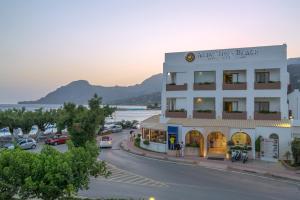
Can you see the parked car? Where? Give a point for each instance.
(8, 146)
(116, 128)
(34, 131)
(105, 142)
(27, 143)
(57, 139)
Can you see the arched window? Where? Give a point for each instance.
(241, 138)
(274, 136)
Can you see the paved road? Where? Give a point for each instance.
(139, 177)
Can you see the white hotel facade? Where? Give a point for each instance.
(215, 96)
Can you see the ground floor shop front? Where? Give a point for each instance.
(269, 141)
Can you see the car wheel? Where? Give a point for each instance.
(55, 143)
(33, 146)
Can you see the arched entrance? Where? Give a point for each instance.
(216, 143)
(241, 139)
(194, 143)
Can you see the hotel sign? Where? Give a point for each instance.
(226, 54)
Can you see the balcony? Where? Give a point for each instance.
(204, 114)
(235, 86)
(176, 113)
(267, 86)
(235, 115)
(204, 86)
(174, 87)
(267, 115)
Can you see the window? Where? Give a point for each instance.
(231, 78)
(262, 107)
(171, 104)
(231, 106)
(146, 134)
(262, 77)
(171, 78)
(241, 138)
(158, 136)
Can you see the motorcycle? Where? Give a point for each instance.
(236, 155)
(245, 156)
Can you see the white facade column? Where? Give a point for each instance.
(250, 93)
(163, 96)
(219, 94)
(189, 96)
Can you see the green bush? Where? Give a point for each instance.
(146, 142)
(257, 144)
(296, 151)
(137, 141)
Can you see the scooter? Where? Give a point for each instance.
(245, 156)
(236, 155)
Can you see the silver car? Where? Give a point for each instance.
(27, 143)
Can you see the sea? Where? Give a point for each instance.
(130, 113)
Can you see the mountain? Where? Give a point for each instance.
(294, 71)
(81, 91)
(146, 99)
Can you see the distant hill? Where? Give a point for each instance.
(294, 70)
(147, 99)
(81, 91)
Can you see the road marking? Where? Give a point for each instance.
(218, 169)
(122, 176)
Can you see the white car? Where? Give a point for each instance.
(105, 142)
(4, 132)
(34, 130)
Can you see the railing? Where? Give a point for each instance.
(174, 87)
(267, 86)
(204, 86)
(267, 115)
(235, 86)
(235, 115)
(204, 114)
(176, 113)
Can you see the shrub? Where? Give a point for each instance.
(146, 142)
(257, 144)
(137, 142)
(296, 151)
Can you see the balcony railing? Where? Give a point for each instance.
(267, 86)
(235, 86)
(174, 87)
(235, 115)
(176, 113)
(267, 115)
(204, 86)
(204, 114)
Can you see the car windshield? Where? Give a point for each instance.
(105, 138)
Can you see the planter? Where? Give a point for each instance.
(234, 115)
(234, 86)
(201, 86)
(176, 114)
(267, 86)
(172, 87)
(267, 116)
(204, 115)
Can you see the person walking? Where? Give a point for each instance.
(181, 149)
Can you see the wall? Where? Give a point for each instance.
(269, 57)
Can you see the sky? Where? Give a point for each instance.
(45, 44)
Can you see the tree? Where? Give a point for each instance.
(50, 174)
(296, 150)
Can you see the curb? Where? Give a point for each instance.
(203, 164)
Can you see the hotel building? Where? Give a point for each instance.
(212, 97)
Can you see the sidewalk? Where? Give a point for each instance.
(270, 169)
